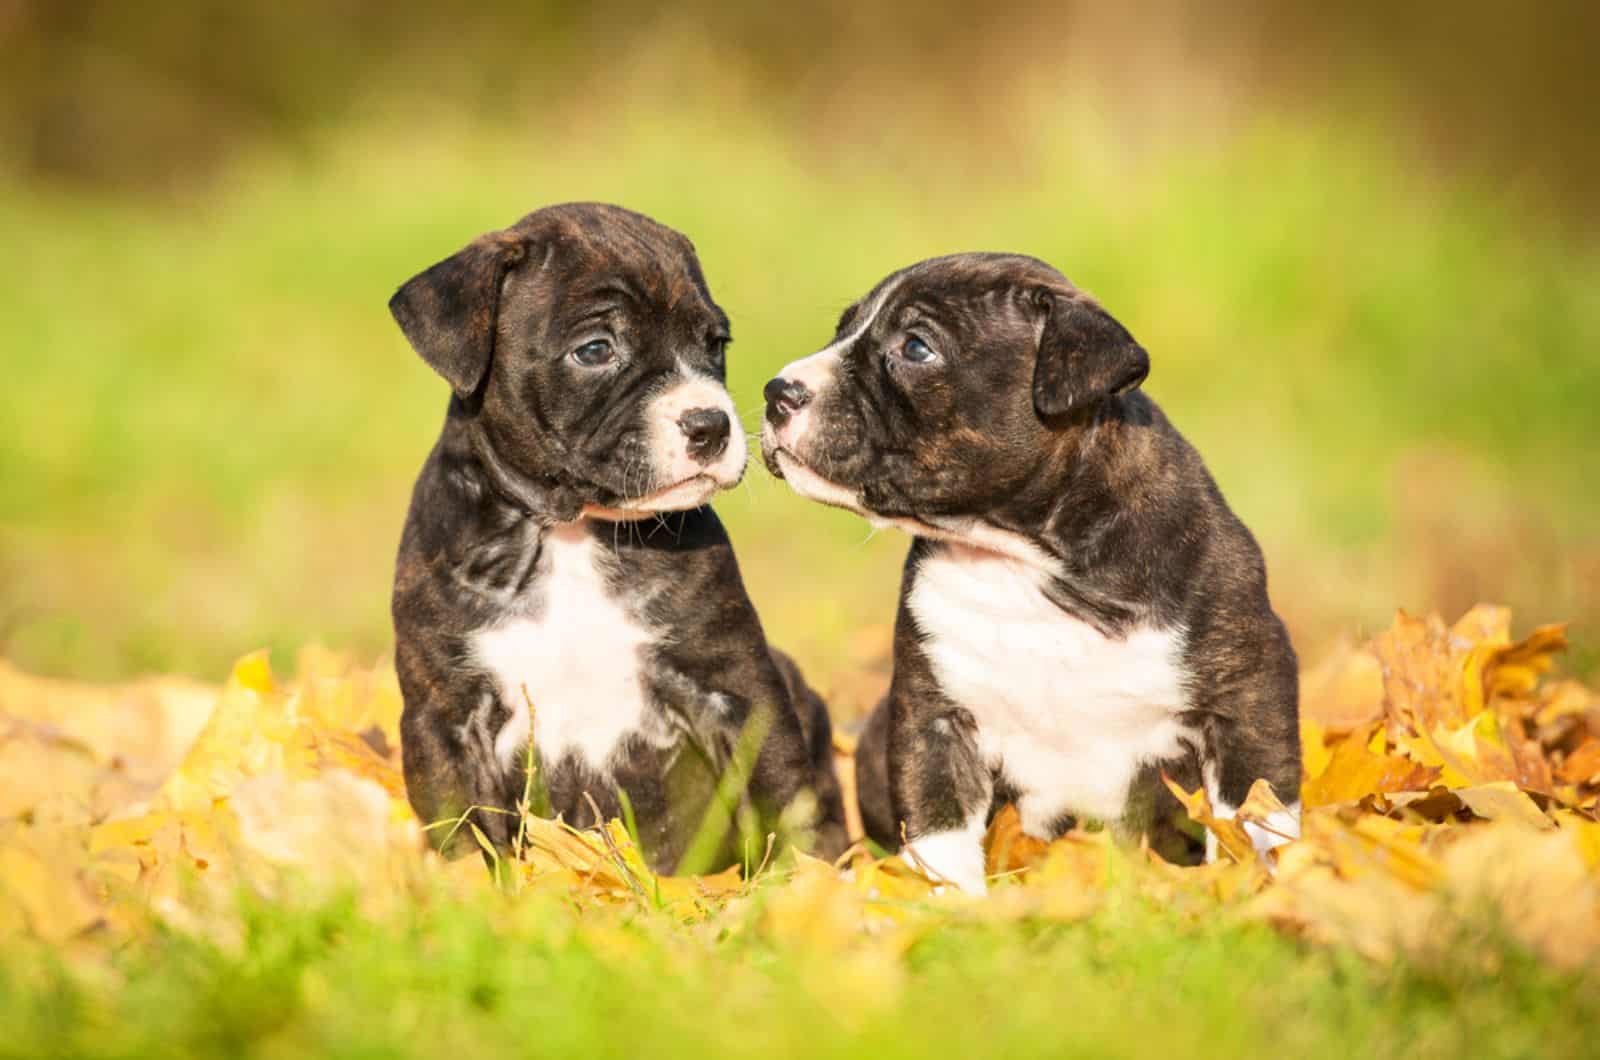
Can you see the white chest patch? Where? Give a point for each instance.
(578, 656)
(1067, 714)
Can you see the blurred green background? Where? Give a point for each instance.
(1359, 241)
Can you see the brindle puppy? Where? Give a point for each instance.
(1080, 609)
(563, 594)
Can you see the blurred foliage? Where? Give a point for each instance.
(139, 95)
(1345, 234)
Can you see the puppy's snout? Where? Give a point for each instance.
(707, 431)
(785, 397)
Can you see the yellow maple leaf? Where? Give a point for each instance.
(1354, 770)
(1503, 801)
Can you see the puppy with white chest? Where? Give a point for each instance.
(1080, 610)
(563, 596)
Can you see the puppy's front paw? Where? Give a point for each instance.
(950, 857)
(1279, 827)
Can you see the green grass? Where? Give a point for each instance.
(527, 978)
(212, 424)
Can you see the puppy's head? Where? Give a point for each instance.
(586, 347)
(946, 389)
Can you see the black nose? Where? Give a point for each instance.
(707, 431)
(785, 397)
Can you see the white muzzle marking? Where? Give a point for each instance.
(815, 373)
(674, 480)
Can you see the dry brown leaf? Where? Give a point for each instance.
(1583, 765)
(1418, 668)
(1372, 845)
(1541, 890)
(1344, 692)
(1514, 672)
(1006, 848)
(1354, 770)
(1230, 833)
(146, 725)
(1484, 622)
(46, 889)
(1502, 801)
(1315, 751)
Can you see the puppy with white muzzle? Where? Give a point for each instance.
(564, 599)
(1080, 610)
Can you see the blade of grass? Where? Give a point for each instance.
(699, 857)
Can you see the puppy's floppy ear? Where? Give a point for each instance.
(1084, 357)
(448, 313)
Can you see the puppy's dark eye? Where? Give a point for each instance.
(719, 351)
(594, 354)
(915, 351)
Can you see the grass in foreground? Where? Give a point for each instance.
(527, 978)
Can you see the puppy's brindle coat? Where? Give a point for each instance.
(1080, 609)
(562, 595)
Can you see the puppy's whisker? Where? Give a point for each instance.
(746, 499)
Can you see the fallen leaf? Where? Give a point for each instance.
(1344, 692)
(1230, 833)
(1583, 765)
(1353, 770)
(1502, 801)
(1007, 848)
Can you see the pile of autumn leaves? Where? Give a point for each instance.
(1451, 785)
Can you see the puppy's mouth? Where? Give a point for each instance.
(681, 496)
(807, 482)
(812, 485)
(967, 533)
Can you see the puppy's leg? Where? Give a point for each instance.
(1156, 819)
(872, 779)
(941, 788)
(831, 835)
(781, 770)
(1280, 827)
(785, 773)
(1252, 733)
(453, 775)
